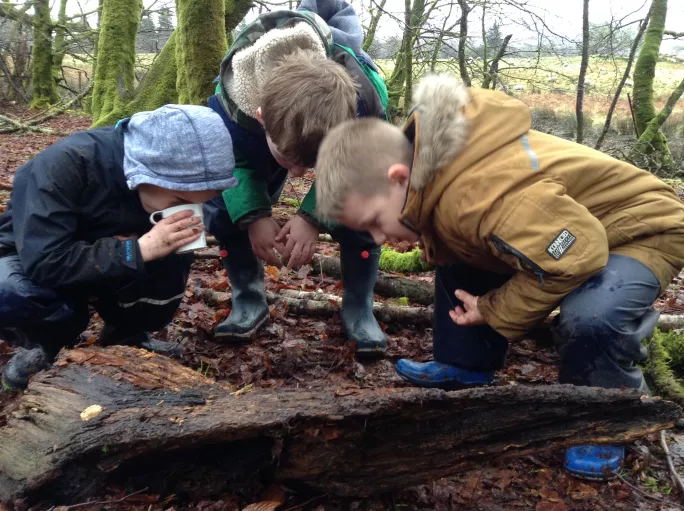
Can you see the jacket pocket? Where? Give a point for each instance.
(524, 262)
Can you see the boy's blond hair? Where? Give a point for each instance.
(305, 95)
(355, 157)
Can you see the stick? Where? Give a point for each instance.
(103, 502)
(25, 127)
(673, 472)
(392, 287)
(642, 492)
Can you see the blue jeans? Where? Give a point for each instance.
(56, 318)
(598, 332)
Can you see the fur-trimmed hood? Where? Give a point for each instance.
(450, 123)
(452, 127)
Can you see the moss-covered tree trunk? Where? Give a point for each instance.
(644, 73)
(201, 46)
(653, 128)
(158, 88)
(60, 41)
(160, 85)
(115, 70)
(44, 89)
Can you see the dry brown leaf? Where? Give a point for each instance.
(583, 492)
(545, 505)
(264, 505)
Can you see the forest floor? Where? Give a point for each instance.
(311, 353)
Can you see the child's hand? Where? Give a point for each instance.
(169, 234)
(262, 235)
(301, 242)
(471, 315)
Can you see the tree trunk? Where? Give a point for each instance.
(115, 70)
(160, 85)
(60, 41)
(235, 10)
(490, 78)
(44, 88)
(202, 30)
(644, 73)
(122, 414)
(625, 76)
(157, 88)
(392, 287)
(653, 127)
(462, 39)
(373, 26)
(583, 73)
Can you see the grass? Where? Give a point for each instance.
(535, 74)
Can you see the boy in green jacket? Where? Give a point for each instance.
(283, 85)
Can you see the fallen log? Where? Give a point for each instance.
(392, 287)
(120, 414)
(304, 303)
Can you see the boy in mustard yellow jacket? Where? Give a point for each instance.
(519, 222)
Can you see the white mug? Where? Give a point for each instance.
(197, 210)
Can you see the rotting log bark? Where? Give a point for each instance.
(392, 287)
(169, 428)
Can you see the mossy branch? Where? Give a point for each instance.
(408, 262)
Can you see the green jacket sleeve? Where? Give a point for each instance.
(249, 200)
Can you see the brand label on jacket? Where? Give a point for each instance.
(561, 244)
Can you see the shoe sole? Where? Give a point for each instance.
(444, 385)
(235, 338)
(594, 477)
(370, 354)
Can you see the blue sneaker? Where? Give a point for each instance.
(595, 462)
(442, 376)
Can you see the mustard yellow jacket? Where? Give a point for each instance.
(488, 191)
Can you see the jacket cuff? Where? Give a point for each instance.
(486, 305)
(244, 222)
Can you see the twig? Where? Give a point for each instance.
(642, 492)
(673, 472)
(103, 502)
(26, 127)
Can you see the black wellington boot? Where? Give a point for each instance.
(250, 309)
(110, 336)
(359, 274)
(31, 358)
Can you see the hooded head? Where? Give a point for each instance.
(179, 147)
(373, 176)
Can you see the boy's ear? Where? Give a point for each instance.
(258, 116)
(399, 173)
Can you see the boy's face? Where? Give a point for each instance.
(155, 198)
(379, 214)
(294, 169)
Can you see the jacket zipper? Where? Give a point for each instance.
(525, 261)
